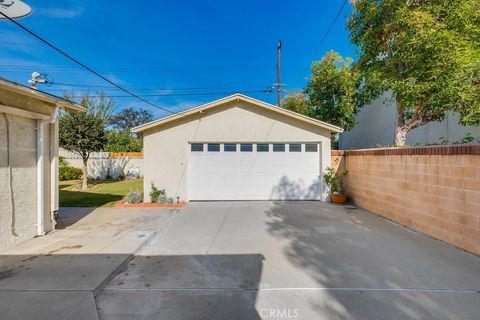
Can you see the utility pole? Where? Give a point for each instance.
(279, 88)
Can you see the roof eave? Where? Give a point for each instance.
(43, 96)
(227, 99)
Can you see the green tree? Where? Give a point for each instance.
(129, 118)
(426, 52)
(299, 103)
(331, 93)
(84, 133)
(122, 141)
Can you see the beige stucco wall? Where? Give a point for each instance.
(18, 178)
(166, 148)
(17, 217)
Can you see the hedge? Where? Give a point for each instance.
(69, 173)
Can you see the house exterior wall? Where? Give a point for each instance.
(166, 148)
(18, 178)
(18, 187)
(435, 190)
(376, 123)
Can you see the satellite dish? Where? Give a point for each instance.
(14, 9)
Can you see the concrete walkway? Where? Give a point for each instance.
(57, 276)
(292, 260)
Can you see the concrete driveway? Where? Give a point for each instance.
(291, 260)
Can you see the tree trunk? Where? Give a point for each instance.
(84, 172)
(401, 129)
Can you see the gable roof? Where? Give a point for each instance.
(40, 95)
(237, 97)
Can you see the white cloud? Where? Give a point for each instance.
(66, 13)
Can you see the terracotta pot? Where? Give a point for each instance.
(339, 198)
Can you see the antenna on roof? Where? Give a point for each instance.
(39, 78)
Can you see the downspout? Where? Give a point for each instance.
(41, 171)
(54, 169)
(10, 178)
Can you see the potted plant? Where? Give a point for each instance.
(334, 180)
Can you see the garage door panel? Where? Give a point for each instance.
(254, 176)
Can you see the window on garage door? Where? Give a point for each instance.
(213, 147)
(230, 147)
(246, 147)
(295, 147)
(311, 147)
(263, 147)
(278, 147)
(196, 147)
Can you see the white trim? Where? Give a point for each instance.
(23, 113)
(236, 97)
(40, 180)
(54, 151)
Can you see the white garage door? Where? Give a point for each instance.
(254, 171)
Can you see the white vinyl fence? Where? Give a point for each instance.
(101, 165)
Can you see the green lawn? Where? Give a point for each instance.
(99, 194)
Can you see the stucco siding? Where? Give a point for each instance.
(166, 148)
(18, 181)
(376, 123)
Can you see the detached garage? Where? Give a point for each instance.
(237, 148)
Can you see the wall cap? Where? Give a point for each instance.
(460, 149)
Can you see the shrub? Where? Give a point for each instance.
(62, 161)
(134, 197)
(108, 176)
(69, 173)
(121, 176)
(156, 194)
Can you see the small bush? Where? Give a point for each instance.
(121, 176)
(62, 161)
(69, 173)
(134, 197)
(156, 194)
(108, 176)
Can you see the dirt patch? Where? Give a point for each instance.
(79, 188)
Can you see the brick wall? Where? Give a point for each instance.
(435, 190)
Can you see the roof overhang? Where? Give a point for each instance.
(237, 98)
(40, 95)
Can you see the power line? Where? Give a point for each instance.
(145, 89)
(83, 65)
(325, 35)
(181, 94)
(173, 67)
(144, 69)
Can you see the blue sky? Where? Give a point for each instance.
(182, 47)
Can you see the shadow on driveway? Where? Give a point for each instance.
(68, 216)
(63, 286)
(371, 268)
